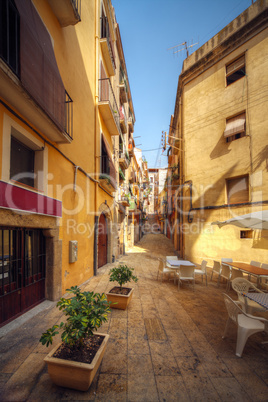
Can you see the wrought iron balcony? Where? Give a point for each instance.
(107, 177)
(132, 176)
(107, 47)
(108, 106)
(68, 12)
(68, 115)
(123, 198)
(133, 204)
(124, 160)
(123, 119)
(131, 124)
(122, 86)
(131, 148)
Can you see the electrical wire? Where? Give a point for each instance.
(149, 150)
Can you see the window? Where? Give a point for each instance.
(237, 190)
(104, 159)
(235, 70)
(107, 166)
(9, 34)
(21, 163)
(246, 234)
(235, 127)
(25, 157)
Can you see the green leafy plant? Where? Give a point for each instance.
(85, 312)
(127, 196)
(122, 274)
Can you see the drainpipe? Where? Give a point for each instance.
(96, 220)
(75, 176)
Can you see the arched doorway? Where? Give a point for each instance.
(102, 241)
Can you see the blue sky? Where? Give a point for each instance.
(148, 28)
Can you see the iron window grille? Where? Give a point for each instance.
(22, 258)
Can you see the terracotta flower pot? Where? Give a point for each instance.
(122, 301)
(75, 375)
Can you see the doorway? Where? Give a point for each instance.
(102, 241)
(22, 271)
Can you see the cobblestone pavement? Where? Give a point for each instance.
(167, 346)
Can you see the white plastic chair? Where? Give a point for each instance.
(236, 273)
(255, 263)
(163, 270)
(264, 266)
(216, 269)
(226, 260)
(202, 270)
(241, 285)
(226, 274)
(171, 257)
(185, 273)
(246, 323)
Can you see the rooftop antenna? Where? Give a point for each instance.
(186, 47)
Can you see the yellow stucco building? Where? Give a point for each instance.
(219, 142)
(64, 101)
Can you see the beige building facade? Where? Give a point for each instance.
(219, 142)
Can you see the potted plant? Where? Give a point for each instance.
(74, 362)
(120, 296)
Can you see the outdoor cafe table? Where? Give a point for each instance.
(250, 269)
(260, 298)
(175, 264)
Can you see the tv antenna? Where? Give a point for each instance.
(186, 47)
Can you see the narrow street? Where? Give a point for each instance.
(167, 346)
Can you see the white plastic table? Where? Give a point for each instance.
(260, 298)
(175, 264)
(178, 263)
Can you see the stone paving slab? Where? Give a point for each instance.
(167, 346)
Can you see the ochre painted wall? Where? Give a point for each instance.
(75, 52)
(209, 160)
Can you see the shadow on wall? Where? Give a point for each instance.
(260, 240)
(260, 158)
(220, 149)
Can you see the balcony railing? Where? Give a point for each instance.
(123, 160)
(108, 174)
(68, 115)
(107, 46)
(122, 86)
(123, 119)
(133, 204)
(108, 106)
(68, 12)
(77, 5)
(131, 124)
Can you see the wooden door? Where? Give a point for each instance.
(22, 271)
(102, 241)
